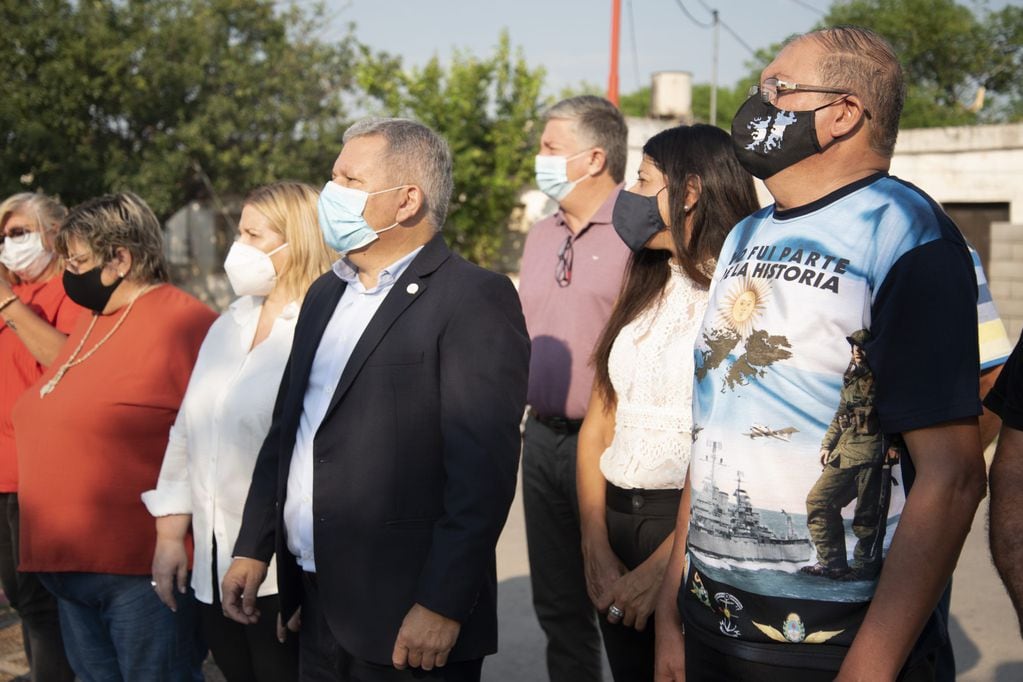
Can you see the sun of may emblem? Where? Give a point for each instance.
(743, 303)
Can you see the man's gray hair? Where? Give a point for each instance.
(863, 62)
(416, 155)
(597, 123)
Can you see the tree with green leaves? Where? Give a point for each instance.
(487, 110)
(172, 99)
(950, 53)
(962, 66)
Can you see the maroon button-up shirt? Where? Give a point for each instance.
(565, 322)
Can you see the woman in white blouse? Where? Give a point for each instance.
(633, 451)
(225, 415)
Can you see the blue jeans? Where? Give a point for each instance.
(117, 630)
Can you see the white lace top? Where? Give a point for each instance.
(651, 368)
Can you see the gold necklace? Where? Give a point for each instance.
(74, 360)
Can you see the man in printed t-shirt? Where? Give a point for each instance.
(847, 255)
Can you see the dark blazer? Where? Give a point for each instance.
(415, 461)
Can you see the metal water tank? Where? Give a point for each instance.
(671, 95)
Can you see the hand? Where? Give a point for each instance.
(636, 593)
(825, 453)
(669, 648)
(294, 625)
(602, 569)
(170, 570)
(238, 593)
(424, 640)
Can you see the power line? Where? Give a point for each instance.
(724, 25)
(728, 28)
(635, 50)
(693, 19)
(738, 39)
(810, 7)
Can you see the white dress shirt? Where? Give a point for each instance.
(651, 366)
(350, 319)
(220, 427)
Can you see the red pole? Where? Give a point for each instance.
(612, 78)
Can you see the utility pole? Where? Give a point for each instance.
(714, 73)
(612, 78)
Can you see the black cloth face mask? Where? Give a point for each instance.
(636, 219)
(767, 139)
(87, 289)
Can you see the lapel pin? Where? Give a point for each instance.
(412, 288)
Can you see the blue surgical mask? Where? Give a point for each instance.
(552, 175)
(340, 213)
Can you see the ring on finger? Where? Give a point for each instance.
(615, 612)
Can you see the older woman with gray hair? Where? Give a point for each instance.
(114, 389)
(37, 317)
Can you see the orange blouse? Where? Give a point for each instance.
(20, 369)
(89, 449)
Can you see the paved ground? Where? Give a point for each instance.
(984, 629)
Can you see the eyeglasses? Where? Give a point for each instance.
(772, 87)
(72, 263)
(14, 233)
(563, 273)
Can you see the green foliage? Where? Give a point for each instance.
(635, 103)
(166, 97)
(584, 88)
(948, 51)
(729, 101)
(487, 109)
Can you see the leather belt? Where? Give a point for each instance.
(562, 425)
(638, 501)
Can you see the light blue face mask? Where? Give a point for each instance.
(552, 175)
(340, 214)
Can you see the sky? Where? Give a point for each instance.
(571, 38)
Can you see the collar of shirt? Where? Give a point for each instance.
(349, 274)
(244, 308)
(602, 216)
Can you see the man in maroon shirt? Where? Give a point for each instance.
(571, 272)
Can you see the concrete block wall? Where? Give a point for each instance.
(1005, 274)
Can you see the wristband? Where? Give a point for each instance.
(7, 301)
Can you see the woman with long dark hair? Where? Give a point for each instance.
(634, 444)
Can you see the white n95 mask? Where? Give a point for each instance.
(250, 270)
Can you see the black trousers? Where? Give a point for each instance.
(40, 624)
(706, 664)
(638, 521)
(555, 555)
(248, 653)
(323, 659)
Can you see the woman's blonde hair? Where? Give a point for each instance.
(45, 211)
(291, 209)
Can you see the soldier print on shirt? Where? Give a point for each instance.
(796, 486)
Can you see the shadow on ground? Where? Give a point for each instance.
(520, 656)
(521, 642)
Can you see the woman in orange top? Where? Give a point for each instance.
(91, 433)
(36, 318)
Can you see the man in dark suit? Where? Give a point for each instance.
(390, 466)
